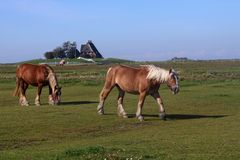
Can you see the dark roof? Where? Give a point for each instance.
(89, 50)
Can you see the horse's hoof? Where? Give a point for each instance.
(51, 103)
(37, 103)
(140, 118)
(162, 116)
(123, 114)
(100, 112)
(24, 103)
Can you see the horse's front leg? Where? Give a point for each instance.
(158, 98)
(140, 105)
(50, 97)
(37, 99)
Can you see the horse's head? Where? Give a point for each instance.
(172, 81)
(56, 95)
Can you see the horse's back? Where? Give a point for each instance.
(120, 71)
(32, 74)
(125, 69)
(29, 68)
(127, 78)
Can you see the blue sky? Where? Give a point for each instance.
(130, 29)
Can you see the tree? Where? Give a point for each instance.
(49, 55)
(67, 49)
(70, 49)
(70, 55)
(66, 45)
(59, 53)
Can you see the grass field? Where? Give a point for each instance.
(202, 120)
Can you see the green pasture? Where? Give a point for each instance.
(203, 120)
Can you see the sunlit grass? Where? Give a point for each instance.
(202, 120)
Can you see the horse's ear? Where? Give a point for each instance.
(170, 70)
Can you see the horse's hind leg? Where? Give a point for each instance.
(121, 111)
(23, 100)
(37, 99)
(103, 95)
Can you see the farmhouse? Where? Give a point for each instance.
(89, 50)
(180, 59)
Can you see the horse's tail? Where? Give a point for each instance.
(109, 75)
(17, 91)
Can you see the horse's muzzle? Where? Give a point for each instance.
(175, 90)
(56, 100)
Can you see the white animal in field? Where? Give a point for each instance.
(86, 59)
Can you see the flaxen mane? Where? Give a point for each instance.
(51, 77)
(156, 73)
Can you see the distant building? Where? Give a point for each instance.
(89, 50)
(180, 59)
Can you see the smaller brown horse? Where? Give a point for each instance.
(39, 76)
(144, 81)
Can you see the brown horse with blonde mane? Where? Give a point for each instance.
(144, 81)
(38, 76)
